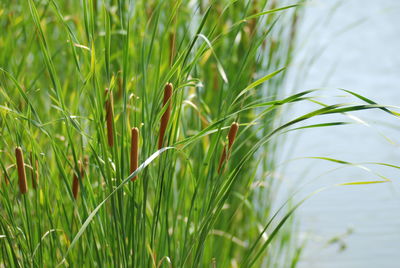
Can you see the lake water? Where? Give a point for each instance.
(357, 44)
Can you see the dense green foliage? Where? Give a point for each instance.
(226, 61)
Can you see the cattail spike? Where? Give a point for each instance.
(231, 139)
(134, 150)
(109, 117)
(35, 172)
(23, 187)
(75, 187)
(232, 133)
(75, 182)
(165, 118)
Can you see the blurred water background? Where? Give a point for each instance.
(354, 45)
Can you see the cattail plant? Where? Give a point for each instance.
(34, 172)
(165, 118)
(134, 150)
(75, 182)
(226, 152)
(232, 134)
(23, 187)
(109, 117)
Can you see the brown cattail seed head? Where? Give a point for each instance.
(35, 171)
(35, 175)
(23, 187)
(165, 118)
(231, 139)
(75, 187)
(134, 150)
(109, 117)
(232, 133)
(75, 182)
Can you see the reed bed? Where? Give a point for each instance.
(79, 80)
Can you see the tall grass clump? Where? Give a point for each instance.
(79, 80)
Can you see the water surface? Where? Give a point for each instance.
(357, 44)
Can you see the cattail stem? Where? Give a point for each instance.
(109, 117)
(134, 150)
(222, 159)
(231, 139)
(172, 37)
(23, 187)
(165, 118)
